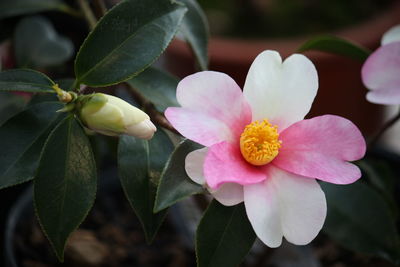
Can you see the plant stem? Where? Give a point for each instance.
(150, 109)
(386, 126)
(100, 8)
(88, 13)
(70, 11)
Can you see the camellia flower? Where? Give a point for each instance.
(113, 116)
(258, 149)
(380, 72)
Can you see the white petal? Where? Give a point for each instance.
(262, 208)
(142, 130)
(194, 163)
(285, 205)
(281, 92)
(229, 194)
(132, 114)
(392, 35)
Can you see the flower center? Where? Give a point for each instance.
(259, 142)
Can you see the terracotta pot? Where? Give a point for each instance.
(340, 92)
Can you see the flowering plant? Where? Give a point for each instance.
(266, 171)
(267, 165)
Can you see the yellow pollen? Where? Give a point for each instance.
(259, 142)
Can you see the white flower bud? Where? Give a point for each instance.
(110, 115)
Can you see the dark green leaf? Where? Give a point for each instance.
(224, 236)
(382, 179)
(25, 80)
(360, 220)
(9, 8)
(10, 104)
(37, 44)
(129, 38)
(175, 184)
(66, 84)
(157, 86)
(140, 164)
(21, 141)
(65, 184)
(336, 45)
(39, 98)
(195, 29)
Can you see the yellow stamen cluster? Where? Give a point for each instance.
(259, 142)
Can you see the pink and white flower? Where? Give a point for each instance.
(260, 150)
(380, 72)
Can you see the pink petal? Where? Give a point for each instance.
(285, 205)
(320, 148)
(229, 194)
(198, 126)
(387, 96)
(213, 108)
(281, 92)
(224, 164)
(380, 72)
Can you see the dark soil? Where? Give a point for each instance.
(112, 236)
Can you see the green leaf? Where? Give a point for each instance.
(224, 236)
(65, 184)
(66, 84)
(360, 220)
(140, 164)
(39, 98)
(25, 80)
(10, 8)
(381, 178)
(157, 86)
(195, 29)
(37, 44)
(175, 184)
(21, 140)
(10, 104)
(129, 38)
(336, 45)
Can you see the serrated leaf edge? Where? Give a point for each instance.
(78, 80)
(60, 257)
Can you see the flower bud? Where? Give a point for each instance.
(110, 115)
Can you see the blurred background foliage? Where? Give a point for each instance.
(283, 18)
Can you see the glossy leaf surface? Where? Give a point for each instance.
(175, 184)
(21, 140)
(128, 39)
(224, 236)
(25, 80)
(140, 163)
(157, 86)
(66, 183)
(195, 29)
